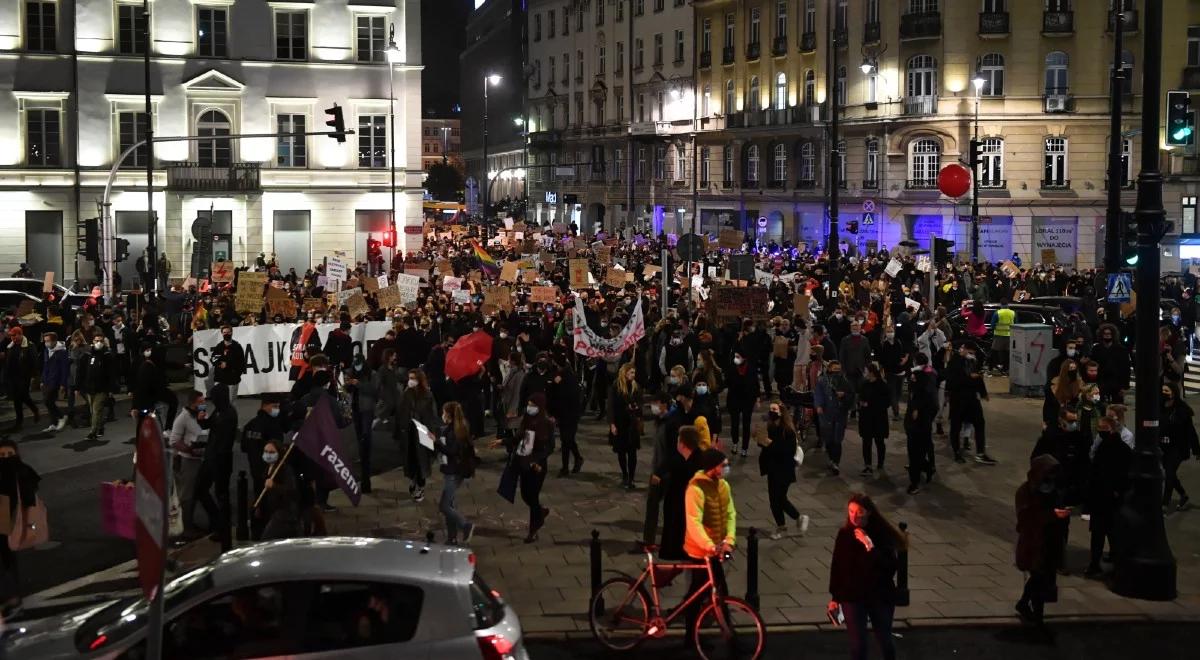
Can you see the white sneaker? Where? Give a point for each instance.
(803, 524)
(777, 534)
(50, 429)
(62, 424)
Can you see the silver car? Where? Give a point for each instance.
(334, 597)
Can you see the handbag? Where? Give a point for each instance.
(507, 487)
(30, 527)
(117, 509)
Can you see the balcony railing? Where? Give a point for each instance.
(921, 105)
(871, 33)
(1058, 22)
(841, 37)
(806, 184)
(808, 42)
(779, 46)
(921, 184)
(922, 25)
(727, 55)
(727, 184)
(993, 23)
(1065, 184)
(1191, 77)
(706, 59)
(194, 177)
(870, 184)
(993, 184)
(753, 50)
(1129, 22)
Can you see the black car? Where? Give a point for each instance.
(1026, 313)
(11, 300)
(33, 287)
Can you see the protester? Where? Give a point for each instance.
(1107, 484)
(625, 423)
(1041, 536)
(918, 423)
(417, 406)
(187, 440)
(874, 399)
(281, 500)
(20, 363)
(19, 488)
(711, 528)
(56, 372)
(531, 450)
(834, 399)
(456, 451)
(862, 575)
(777, 461)
(742, 396)
(97, 382)
(1178, 442)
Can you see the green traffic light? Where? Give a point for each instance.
(1131, 260)
(1183, 133)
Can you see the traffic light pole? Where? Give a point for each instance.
(151, 219)
(108, 231)
(1114, 233)
(1143, 564)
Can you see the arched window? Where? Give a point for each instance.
(925, 159)
(754, 95)
(1056, 74)
(781, 91)
(780, 169)
(991, 70)
(217, 152)
(922, 77)
(810, 88)
(808, 163)
(991, 163)
(752, 161)
(730, 98)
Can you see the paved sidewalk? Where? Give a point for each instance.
(962, 531)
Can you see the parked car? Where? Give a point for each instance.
(1026, 313)
(33, 287)
(332, 597)
(10, 300)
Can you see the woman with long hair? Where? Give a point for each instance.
(777, 461)
(457, 458)
(708, 371)
(530, 454)
(19, 485)
(862, 575)
(625, 422)
(1064, 390)
(416, 405)
(509, 404)
(874, 399)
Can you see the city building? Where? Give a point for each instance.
(611, 113)
(73, 101)
(1181, 189)
(441, 142)
(492, 75)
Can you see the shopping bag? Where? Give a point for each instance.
(117, 509)
(508, 482)
(30, 527)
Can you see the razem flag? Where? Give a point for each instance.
(150, 497)
(320, 440)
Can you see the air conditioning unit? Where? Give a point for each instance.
(1056, 104)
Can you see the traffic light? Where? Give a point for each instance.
(91, 239)
(122, 249)
(336, 122)
(1129, 239)
(1181, 122)
(941, 251)
(389, 238)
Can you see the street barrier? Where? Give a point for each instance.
(902, 570)
(595, 561)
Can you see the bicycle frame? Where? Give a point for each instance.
(709, 588)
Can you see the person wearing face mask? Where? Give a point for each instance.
(1070, 445)
(56, 368)
(894, 364)
(967, 390)
(706, 404)
(229, 361)
(838, 326)
(509, 396)
(97, 379)
(833, 398)
(279, 511)
(187, 441)
(1070, 352)
(530, 451)
(625, 423)
(20, 364)
(457, 457)
(1115, 367)
(711, 527)
(563, 397)
(1065, 390)
(1041, 538)
(1178, 442)
(777, 462)
(416, 404)
(675, 352)
(740, 399)
(267, 426)
(668, 420)
(874, 398)
(1107, 484)
(854, 353)
(918, 422)
(216, 467)
(19, 486)
(862, 575)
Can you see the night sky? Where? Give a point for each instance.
(443, 33)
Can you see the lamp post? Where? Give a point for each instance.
(393, 55)
(978, 82)
(523, 124)
(488, 81)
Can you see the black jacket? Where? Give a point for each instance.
(233, 356)
(858, 576)
(222, 427)
(255, 435)
(777, 461)
(149, 386)
(922, 400)
(874, 403)
(96, 372)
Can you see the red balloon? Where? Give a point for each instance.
(954, 180)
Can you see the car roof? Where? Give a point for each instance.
(28, 279)
(18, 293)
(342, 557)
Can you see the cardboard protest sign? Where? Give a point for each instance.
(343, 297)
(222, 271)
(418, 268)
(408, 286)
(389, 297)
(498, 297)
(508, 271)
(445, 267)
(730, 239)
(579, 273)
(336, 269)
(738, 303)
(800, 304)
(48, 282)
(285, 308)
(924, 264)
(650, 271)
(543, 294)
(249, 296)
(1049, 256)
(370, 284)
(615, 278)
(461, 296)
(451, 283)
(357, 305)
(604, 254)
(313, 305)
(1009, 269)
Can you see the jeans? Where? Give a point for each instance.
(739, 420)
(777, 490)
(833, 432)
(50, 399)
(192, 486)
(880, 615)
(448, 505)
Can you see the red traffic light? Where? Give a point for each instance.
(389, 238)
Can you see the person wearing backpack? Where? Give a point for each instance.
(458, 461)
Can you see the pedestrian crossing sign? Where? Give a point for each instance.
(1120, 286)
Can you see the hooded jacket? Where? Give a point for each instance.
(56, 367)
(1039, 534)
(538, 428)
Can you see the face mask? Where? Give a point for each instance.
(99, 345)
(412, 382)
(838, 316)
(531, 410)
(917, 370)
(1107, 340)
(655, 410)
(202, 407)
(856, 332)
(504, 335)
(269, 457)
(1175, 318)
(702, 389)
(49, 345)
(737, 359)
(724, 471)
(228, 337)
(1072, 426)
(1072, 371)
(890, 336)
(147, 353)
(673, 380)
(773, 416)
(834, 373)
(1095, 398)
(1070, 352)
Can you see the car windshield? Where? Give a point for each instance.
(122, 618)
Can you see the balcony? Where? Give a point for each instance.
(871, 33)
(1191, 77)
(706, 59)
(993, 24)
(727, 184)
(921, 184)
(779, 46)
(1058, 23)
(1129, 22)
(808, 42)
(806, 184)
(921, 105)
(194, 177)
(753, 50)
(870, 184)
(841, 37)
(923, 25)
(727, 55)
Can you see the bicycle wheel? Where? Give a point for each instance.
(731, 631)
(620, 614)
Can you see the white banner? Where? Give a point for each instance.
(269, 353)
(591, 344)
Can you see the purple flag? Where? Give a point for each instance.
(320, 440)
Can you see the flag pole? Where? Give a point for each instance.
(278, 466)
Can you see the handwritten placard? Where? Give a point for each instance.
(615, 278)
(730, 239)
(498, 297)
(452, 283)
(389, 297)
(579, 273)
(409, 287)
(508, 271)
(222, 271)
(357, 305)
(543, 294)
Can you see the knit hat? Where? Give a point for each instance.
(701, 425)
(709, 459)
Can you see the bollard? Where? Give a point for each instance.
(752, 568)
(595, 557)
(902, 570)
(429, 536)
(243, 507)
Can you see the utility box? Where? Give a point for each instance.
(1031, 349)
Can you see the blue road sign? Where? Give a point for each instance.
(1120, 286)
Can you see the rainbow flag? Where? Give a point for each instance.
(486, 263)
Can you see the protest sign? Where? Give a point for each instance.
(284, 307)
(893, 268)
(1049, 256)
(543, 294)
(460, 296)
(335, 269)
(370, 284)
(585, 341)
(389, 297)
(408, 287)
(222, 271)
(249, 297)
(451, 283)
(579, 273)
(445, 267)
(508, 271)
(730, 239)
(48, 282)
(357, 304)
(615, 278)
(738, 303)
(498, 297)
(604, 254)
(800, 304)
(313, 305)
(418, 268)
(1009, 269)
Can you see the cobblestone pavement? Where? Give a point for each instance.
(962, 530)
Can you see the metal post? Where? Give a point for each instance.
(594, 552)
(831, 241)
(974, 162)
(629, 169)
(1113, 231)
(1144, 565)
(486, 180)
(243, 507)
(157, 618)
(902, 593)
(151, 219)
(396, 241)
(666, 281)
(752, 568)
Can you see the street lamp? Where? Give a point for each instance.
(978, 82)
(489, 80)
(394, 55)
(867, 66)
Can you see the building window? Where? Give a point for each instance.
(579, 65)
(552, 69)
(43, 134)
(638, 53)
(1126, 73)
(995, 6)
(212, 32)
(841, 16)
(727, 163)
(600, 60)
(537, 27)
(1189, 215)
(922, 6)
(292, 150)
(729, 30)
(1056, 74)
(40, 26)
(705, 154)
(781, 91)
(620, 11)
(808, 162)
(780, 164)
(1193, 45)
(754, 95)
(599, 13)
(680, 164)
(706, 101)
(1055, 171)
(991, 163)
(871, 166)
(924, 163)
(641, 107)
(922, 77)
(679, 46)
(991, 70)
(619, 102)
(755, 25)
(566, 77)
(872, 11)
(840, 164)
(658, 49)
(641, 164)
(566, 22)
(840, 86)
(730, 97)
(872, 91)
(706, 36)
(810, 88)
(217, 152)
(618, 169)
(658, 5)
(1126, 163)
(131, 128)
(371, 35)
(781, 19)
(291, 35)
(372, 141)
(752, 161)
(579, 20)
(619, 65)
(131, 30)
(810, 16)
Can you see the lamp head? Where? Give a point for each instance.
(978, 81)
(494, 79)
(867, 66)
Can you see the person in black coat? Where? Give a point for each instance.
(625, 423)
(150, 387)
(20, 365)
(862, 575)
(742, 380)
(680, 467)
(777, 461)
(874, 399)
(894, 364)
(1041, 535)
(918, 422)
(967, 391)
(216, 468)
(1112, 357)
(563, 398)
(1178, 441)
(1108, 482)
(229, 360)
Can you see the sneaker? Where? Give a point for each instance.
(61, 424)
(50, 429)
(468, 532)
(777, 534)
(328, 508)
(984, 459)
(1025, 612)
(867, 471)
(419, 495)
(834, 469)
(914, 489)
(804, 519)
(1093, 572)
(744, 452)
(564, 472)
